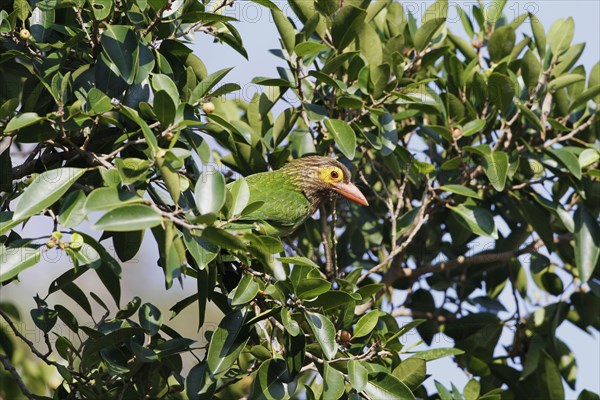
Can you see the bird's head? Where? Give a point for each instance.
(321, 178)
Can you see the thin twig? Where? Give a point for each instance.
(572, 134)
(334, 241)
(34, 350)
(9, 367)
(326, 245)
(420, 219)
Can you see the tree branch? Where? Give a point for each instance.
(9, 367)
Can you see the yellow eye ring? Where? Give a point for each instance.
(331, 175)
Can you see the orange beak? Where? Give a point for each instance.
(351, 192)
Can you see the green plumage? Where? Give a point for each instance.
(284, 206)
(290, 195)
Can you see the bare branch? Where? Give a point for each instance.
(9, 367)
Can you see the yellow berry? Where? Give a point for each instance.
(208, 107)
(24, 34)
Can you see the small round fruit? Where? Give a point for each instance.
(456, 133)
(168, 135)
(24, 34)
(208, 107)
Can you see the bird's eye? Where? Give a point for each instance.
(334, 174)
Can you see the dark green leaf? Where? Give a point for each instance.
(343, 135)
(366, 323)
(209, 192)
(412, 372)
(150, 318)
(434, 354)
(477, 220)
(45, 190)
(587, 243)
(324, 332)
(226, 343)
(129, 218)
(385, 386)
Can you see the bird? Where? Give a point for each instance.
(293, 193)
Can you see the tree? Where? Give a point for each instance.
(479, 157)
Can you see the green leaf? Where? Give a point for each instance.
(309, 48)
(478, 220)
(21, 121)
(310, 288)
(588, 157)
(531, 69)
(569, 160)
(501, 42)
(584, 97)
(129, 218)
(442, 391)
(560, 35)
(291, 326)
(206, 84)
(7, 221)
(287, 33)
(150, 318)
(552, 283)
(550, 378)
(538, 34)
(161, 82)
(44, 318)
(385, 386)
(343, 135)
(389, 132)
(461, 190)
(434, 354)
(245, 291)
(501, 91)
(495, 167)
(45, 190)
(209, 192)
(426, 31)
(240, 194)
(98, 102)
(284, 124)
(101, 8)
(226, 343)
(333, 383)
(16, 259)
(473, 127)
(72, 210)
(412, 372)
(587, 243)
(563, 81)
(531, 117)
(297, 260)
(201, 250)
(120, 45)
(324, 332)
(271, 382)
(345, 26)
(404, 329)
(147, 132)
(472, 389)
(105, 198)
(358, 375)
(132, 169)
(164, 108)
(366, 323)
(295, 349)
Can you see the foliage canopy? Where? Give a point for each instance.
(479, 157)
